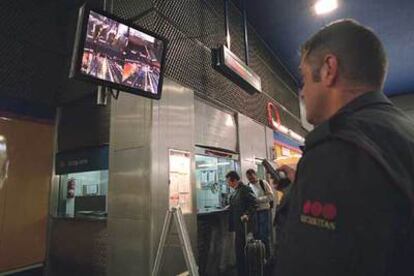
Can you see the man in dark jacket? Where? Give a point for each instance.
(242, 208)
(352, 205)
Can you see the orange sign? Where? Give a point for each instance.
(273, 116)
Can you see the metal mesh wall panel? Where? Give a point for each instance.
(193, 28)
(205, 24)
(202, 22)
(35, 57)
(128, 9)
(260, 50)
(30, 60)
(35, 50)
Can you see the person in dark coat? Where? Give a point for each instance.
(241, 210)
(352, 200)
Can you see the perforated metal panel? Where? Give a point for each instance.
(204, 21)
(36, 49)
(128, 9)
(193, 28)
(34, 59)
(30, 63)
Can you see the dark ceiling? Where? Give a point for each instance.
(285, 25)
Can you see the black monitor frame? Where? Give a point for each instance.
(78, 49)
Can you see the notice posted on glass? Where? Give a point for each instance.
(180, 180)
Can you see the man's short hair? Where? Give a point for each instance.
(360, 53)
(233, 175)
(250, 172)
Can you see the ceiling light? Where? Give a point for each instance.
(325, 6)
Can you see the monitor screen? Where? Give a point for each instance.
(115, 54)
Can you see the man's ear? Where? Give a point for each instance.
(329, 70)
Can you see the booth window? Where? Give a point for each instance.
(212, 188)
(260, 170)
(83, 182)
(83, 193)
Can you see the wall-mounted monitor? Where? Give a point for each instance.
(115, 53)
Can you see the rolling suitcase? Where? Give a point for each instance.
(255, 253)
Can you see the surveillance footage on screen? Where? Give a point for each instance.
(120, 54)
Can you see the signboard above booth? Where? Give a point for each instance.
(82, 160)
(236, 70)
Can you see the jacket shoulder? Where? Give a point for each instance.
(386, 119)
(246, 188)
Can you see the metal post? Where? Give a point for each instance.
(108, 5)
(226, 23)
(102, 95)
(246, 39)
(102, 92)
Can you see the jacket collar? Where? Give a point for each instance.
(324, 130)
(239, 185)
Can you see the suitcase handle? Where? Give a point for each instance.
(246, 232)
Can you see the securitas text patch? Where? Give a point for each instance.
(319, 214)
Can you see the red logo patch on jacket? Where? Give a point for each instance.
(319, 214)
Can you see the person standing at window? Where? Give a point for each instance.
(264, 198)
(241, 210)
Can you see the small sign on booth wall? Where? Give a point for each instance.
(180, 180)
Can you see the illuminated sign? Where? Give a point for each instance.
(236, 70)
(273, 117)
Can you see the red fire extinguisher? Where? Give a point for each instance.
(71, 188)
